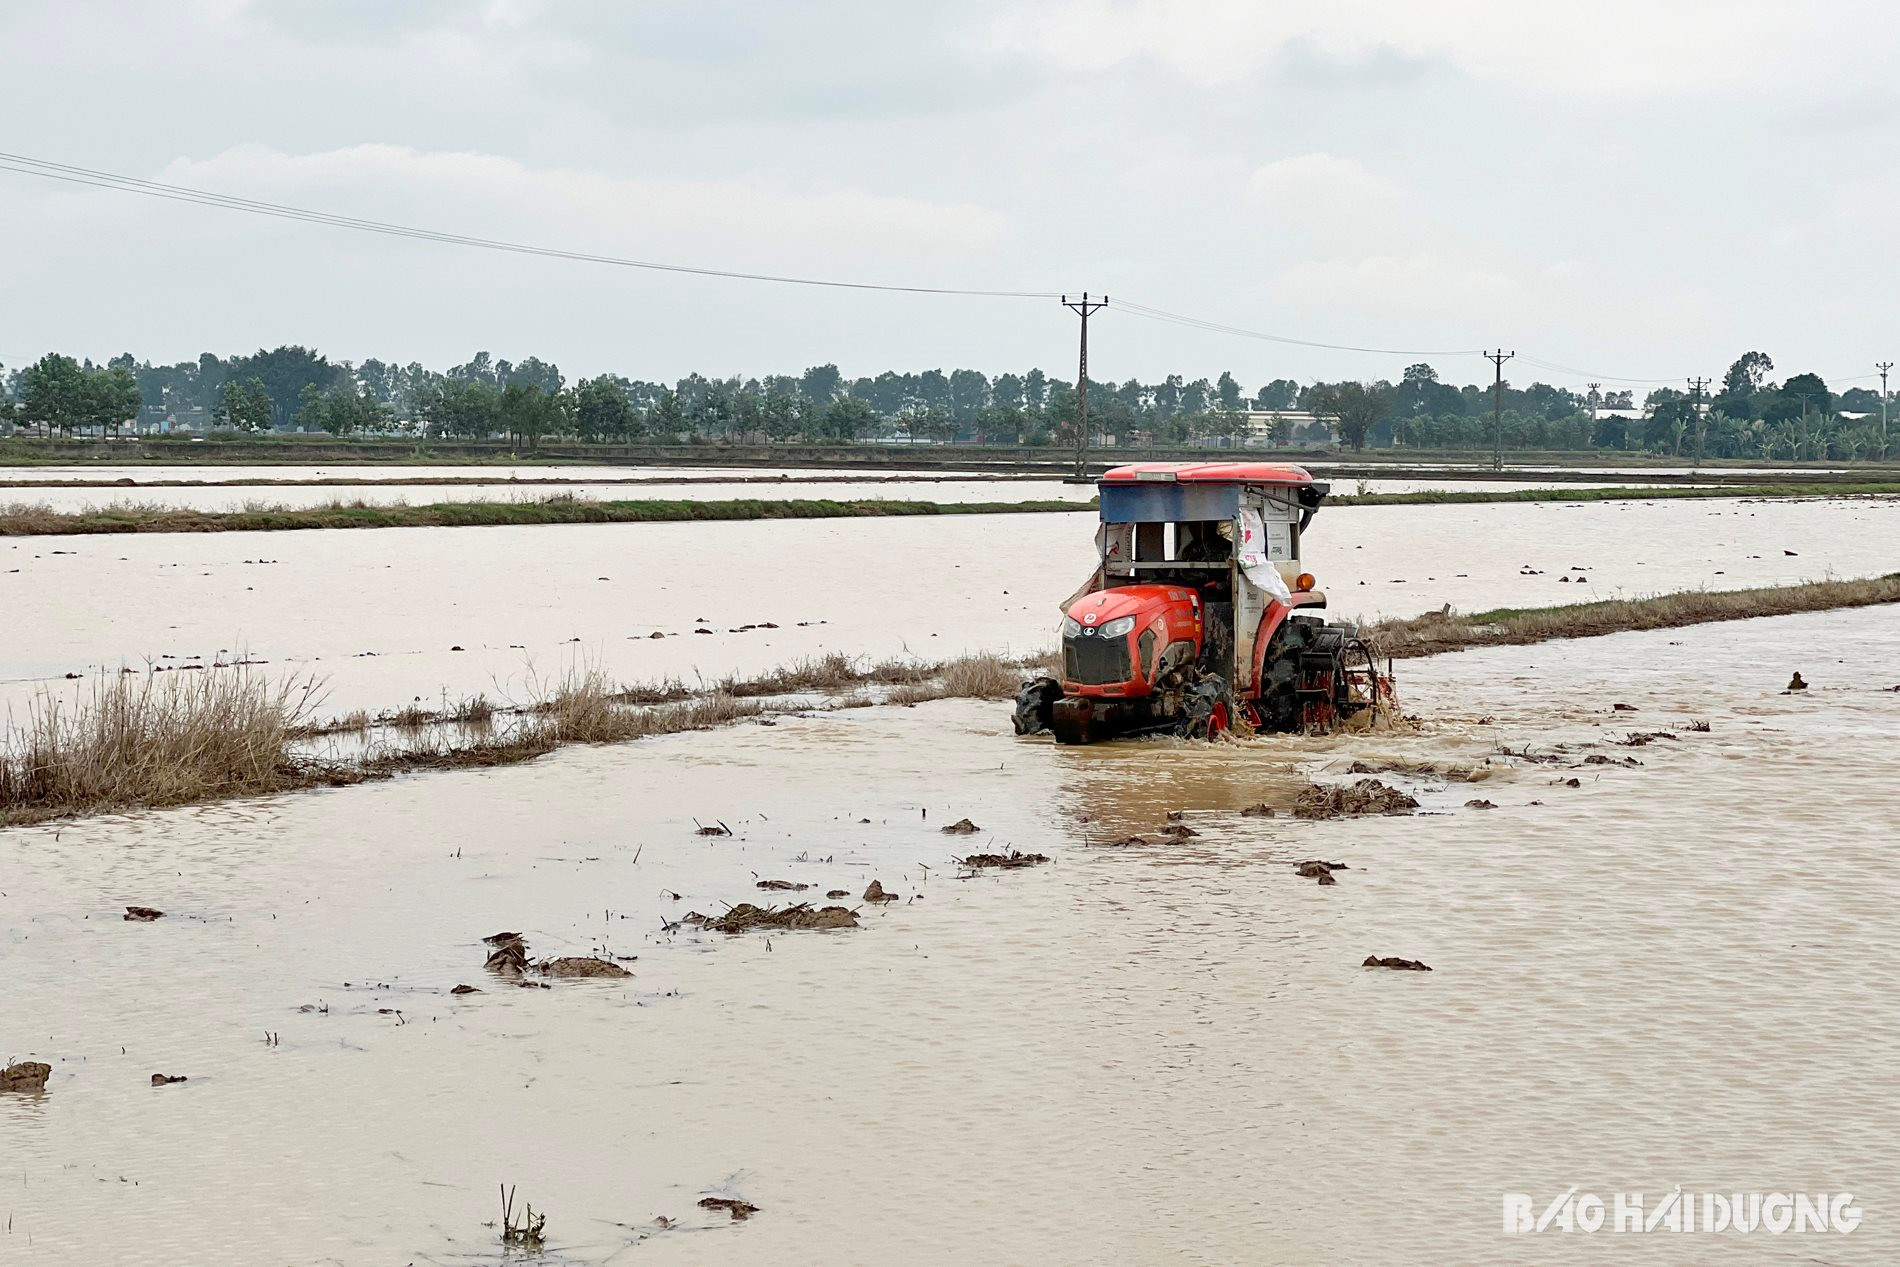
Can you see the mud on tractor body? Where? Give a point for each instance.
(1198, 616)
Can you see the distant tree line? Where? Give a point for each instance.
(292, 388)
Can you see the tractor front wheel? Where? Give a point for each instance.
(1034, 703)
(1209, 709)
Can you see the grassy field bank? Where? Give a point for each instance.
(1435, 632)
(21, 519)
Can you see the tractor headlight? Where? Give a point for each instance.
(1070, 627)
(1118, 628)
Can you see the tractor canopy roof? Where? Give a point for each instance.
(1176, 492)
(1207, 473)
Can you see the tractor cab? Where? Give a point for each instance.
(1198, 611)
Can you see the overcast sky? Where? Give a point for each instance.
(1631, 188)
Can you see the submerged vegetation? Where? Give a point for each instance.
(146, 742)
(1437, 632)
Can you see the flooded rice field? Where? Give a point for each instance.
(395, 616)
(70, 489)
(1157, 1052)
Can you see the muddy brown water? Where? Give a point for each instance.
(1671, 974)
(377, 613)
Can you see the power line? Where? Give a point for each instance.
(73, 174)
(1176, 318)
(206, 198)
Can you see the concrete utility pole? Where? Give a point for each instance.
(1498, 358)
(1083, 309)
(1695, 404)
(1883, 367)
(1596, 398)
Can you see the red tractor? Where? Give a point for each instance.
(1199, 614)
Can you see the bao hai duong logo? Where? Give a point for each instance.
(1773, 1213)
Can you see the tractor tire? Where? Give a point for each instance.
(1210, 709)
(1034, 703)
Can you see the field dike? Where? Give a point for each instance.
(1437, 632)
(140, 741)
(38, 520)
(23, 519)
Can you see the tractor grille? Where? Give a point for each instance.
(1095, 661)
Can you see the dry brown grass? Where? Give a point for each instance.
(154, 741)
(966, 677)
(585, 708)
(1436, 632)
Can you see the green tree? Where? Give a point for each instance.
(665, 420)
(821, 384)
(847, 419)
(1748, 374)
(528, 413)
(462, 408)
(1227, 391)
(244, 404)
(343, 410)
(602, 410)
(969, 392)
(285, 371)
(52, 393)
(1808, 394)
(111, 399)
(1353, 409)
(1280, 394)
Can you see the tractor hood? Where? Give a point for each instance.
(1093, 610)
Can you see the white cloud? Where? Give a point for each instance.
(1608, 47)
(1414, 283)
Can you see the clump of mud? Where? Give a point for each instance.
(582, 966)
(745, 917)
(874, 892)
(962, 827)
(510, 954)
(1320, 871)
(781, 886)
(1008, 861)
(731, 1205)
(1367, 796)
(1417, 769)
(510, 959)
(162, 1079)
(143, 914)
(27, 1075)
(1638, 739)
(1401, 965)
